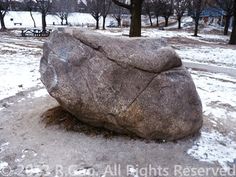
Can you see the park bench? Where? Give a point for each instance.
(18, 24)
(35, 33)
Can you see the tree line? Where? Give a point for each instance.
(101, 8)
(61, 8)
(167, 8)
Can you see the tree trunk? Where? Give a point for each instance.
(157, 17)
(196, 26)
(118, 21)
(104, 23)
(227, 23)
(97, 22)
(150, 18)
(179, 22)
(233, 34)
(44, 24)
(3, 27)
(66, 18)
(197, 13)
(62, 19)
(166, 21)
(32, 18)
(136, 10)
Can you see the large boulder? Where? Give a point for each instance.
(129, 85)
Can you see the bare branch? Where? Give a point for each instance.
(121, 4)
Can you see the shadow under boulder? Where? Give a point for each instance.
(57, 116)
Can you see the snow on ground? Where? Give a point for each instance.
(40, 93)
(33, 171)
(75, 19)
(218, 95)
(3, 165)
(19, 67)
(3, 146)
(133, 172)
(216, 91)
(206, 38)
(154, 33)
(84, 172)
(209, 55)
(214, 147)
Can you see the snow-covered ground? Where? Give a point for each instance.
(19, 65)
(214, 147)
(75, 19)
(218, 95)
(218, 56)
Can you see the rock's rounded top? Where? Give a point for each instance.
(147, 54)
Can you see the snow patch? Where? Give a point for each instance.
(214, 147)
(218, 95)
(20, 100)
(27, 153)
(4, 146)
(209, 55)
(18, 68)
(33, 171)
(133, 172)
(84, 172)
(3, 165)
(40, 93)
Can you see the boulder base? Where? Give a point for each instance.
(131, 86)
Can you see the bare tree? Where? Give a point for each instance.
(16, 5)
(117, 13)
(148, 8)
(157, 8)
(30, 5)
(106, 4)
(62, 8)
(228, 7)
(180, 7)
(233, 34)
(135, 8)
(167, 10)
(44, 6)
(95, 9)
(4, 7)
(197, 7)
